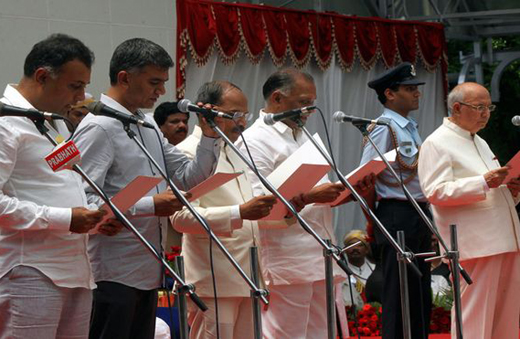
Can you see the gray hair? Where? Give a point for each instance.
(456, 95)
(212, 92)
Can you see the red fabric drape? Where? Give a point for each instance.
(228, 34)
(388, 42)
(204, 26)
(276, 30)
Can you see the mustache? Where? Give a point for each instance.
(181, 130)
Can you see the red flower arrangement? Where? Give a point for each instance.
(441, 320)
(368, 320)
(369, 317)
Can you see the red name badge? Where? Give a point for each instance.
(63, 157)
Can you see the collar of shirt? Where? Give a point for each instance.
(117, 106)
(58, 129)
(11, 93)
(455, 128)
(279, 126)
(398, 118)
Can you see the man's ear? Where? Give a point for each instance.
(455, 109)
(389, 94)
(276, 96)
(123, 78)
(41, 75)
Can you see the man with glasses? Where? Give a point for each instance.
(397, 89)
(231, 212)
(466, 186)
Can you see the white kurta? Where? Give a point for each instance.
(451, 168)
(292, 260)
(237, 235)
(289, 255)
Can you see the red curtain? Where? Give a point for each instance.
(205, 26)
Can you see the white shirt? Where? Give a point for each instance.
(440, 285)
(35, 203)
(289, 255)
(358, 280)
(451, 169)
(113, 160)
(362, 272)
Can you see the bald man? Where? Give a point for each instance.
(466, 186)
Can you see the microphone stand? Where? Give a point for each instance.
(256, 292)
(404, 258)
(452, 255)
(349, 277)
(184, 288)
(329, 252)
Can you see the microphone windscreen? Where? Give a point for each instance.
(183, 104)
(338, 116)
(268, 119)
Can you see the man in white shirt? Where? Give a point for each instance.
(291, 259)
(464, 182)
(45, 275)
(230, 211)
(127, 275)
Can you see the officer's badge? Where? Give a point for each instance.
(412, 70)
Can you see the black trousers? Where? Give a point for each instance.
(122, 312)
(397, 215)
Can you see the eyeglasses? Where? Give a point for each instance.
(245, 115)
(480, 108)
(236, 115)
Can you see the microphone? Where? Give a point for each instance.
(99, 108)
(339, 116)
(271, 119)
(13, 111)
(516, 120)
(187, 106)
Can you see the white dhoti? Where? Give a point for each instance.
(491, 305)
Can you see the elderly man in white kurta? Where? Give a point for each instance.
(464, 182)
(230, 211)
(292, 260)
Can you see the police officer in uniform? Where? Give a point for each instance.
(397, 89)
